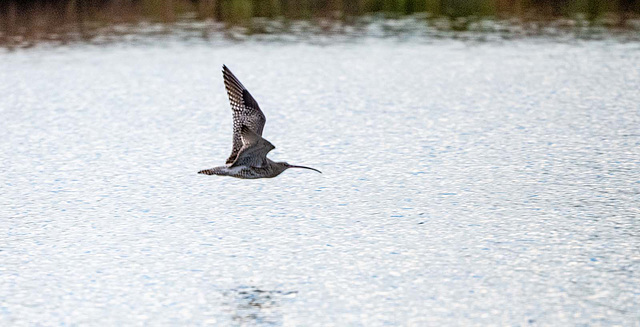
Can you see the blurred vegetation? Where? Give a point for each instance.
(52, 20)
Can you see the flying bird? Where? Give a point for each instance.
(248, 157)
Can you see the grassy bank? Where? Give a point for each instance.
(73, 19)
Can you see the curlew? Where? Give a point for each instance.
(248, 157)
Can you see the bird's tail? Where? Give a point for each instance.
(214, 171)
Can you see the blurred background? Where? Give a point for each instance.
(24, 22)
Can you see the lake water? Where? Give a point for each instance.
(464, 183)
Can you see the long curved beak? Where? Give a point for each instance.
(292, 166)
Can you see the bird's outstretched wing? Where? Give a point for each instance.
(246, 111)
(254, 149)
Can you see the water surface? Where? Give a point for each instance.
(464, 183)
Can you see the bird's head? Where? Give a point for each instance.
(287, 166)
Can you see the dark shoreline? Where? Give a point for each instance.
(27, 23)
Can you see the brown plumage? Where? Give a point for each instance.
(246, 111)
(249, 150)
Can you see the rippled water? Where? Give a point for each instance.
(464, 183)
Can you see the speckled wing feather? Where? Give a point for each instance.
(246, 111)
(254, 150)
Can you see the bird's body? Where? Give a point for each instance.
(272, 169)
(249, 150)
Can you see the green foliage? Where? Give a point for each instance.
(237, 10)
(17, 15)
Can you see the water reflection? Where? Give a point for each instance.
(252, 305)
